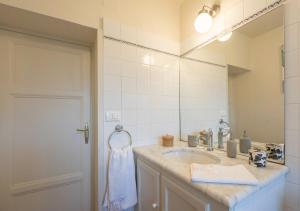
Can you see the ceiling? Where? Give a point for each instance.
(264, 23)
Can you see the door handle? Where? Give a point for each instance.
(85, 132)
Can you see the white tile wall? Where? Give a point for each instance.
(292, 104)
(143, 86)
(131, 34)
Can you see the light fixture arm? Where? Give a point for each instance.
(212, 11)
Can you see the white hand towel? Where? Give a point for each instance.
(121, 188)
(214, 173)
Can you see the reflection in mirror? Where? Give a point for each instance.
(239, 79)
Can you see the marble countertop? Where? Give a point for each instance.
(227, 194)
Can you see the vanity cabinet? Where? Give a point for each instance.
(157, 192)
(148, 187)
(175, 198)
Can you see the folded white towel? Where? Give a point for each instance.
(214, 173)
(121, 188)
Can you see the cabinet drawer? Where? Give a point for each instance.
(148, 187)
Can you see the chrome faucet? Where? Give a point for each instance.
(224, 130)
(210, 141)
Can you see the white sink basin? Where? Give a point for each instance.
(188, 156)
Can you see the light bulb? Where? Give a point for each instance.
(225, 37)
(203, 22)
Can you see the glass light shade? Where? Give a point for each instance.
(203, 22)
(225, 37)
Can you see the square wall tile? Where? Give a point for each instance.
(143, 79)
(144, 102)
(292, 143)
(292, 117)
(294, 169)
(111, 49)
(129, 33)
(291, 37)
(292, 84)
(129, 85)
(291, 12)
(291, 195)
(129, 101)
(111, 28)
(292, 68)
(112, 101)
(112, 83)
(112, 66)
(129, 69)
(128, 52)
(144, 56)
(144, 38)
(129, 117)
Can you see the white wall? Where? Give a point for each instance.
(292, 103)
(204, 95)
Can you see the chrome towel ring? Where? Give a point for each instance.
(119, 129)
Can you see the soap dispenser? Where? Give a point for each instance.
(245, 143)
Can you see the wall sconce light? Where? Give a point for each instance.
(204, 20)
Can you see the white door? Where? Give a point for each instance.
(44, 98)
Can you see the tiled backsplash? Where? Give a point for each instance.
(144, 86)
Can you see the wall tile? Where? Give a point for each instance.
(144, 56)
(143, 117)
(128, 69)
(143, 102)
(291, 40)
(129, 101)
(143, 79)
(292, 84)
(292, 143)
(291, 196)
(112, 83)
(112, 66)
(128, 52)
(292, 59)
(291, 12)
(128, 33)
(112, 100)
(112, 49)
(292, 117)
(294, 169)
(129, 117)
(112, 28)
(144, 38)
(129, 85)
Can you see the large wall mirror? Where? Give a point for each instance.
(239, 79)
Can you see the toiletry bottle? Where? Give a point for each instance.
(220, 139)
(245, 143)
(231, 148)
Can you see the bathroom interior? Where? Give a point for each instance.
(170, 105)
